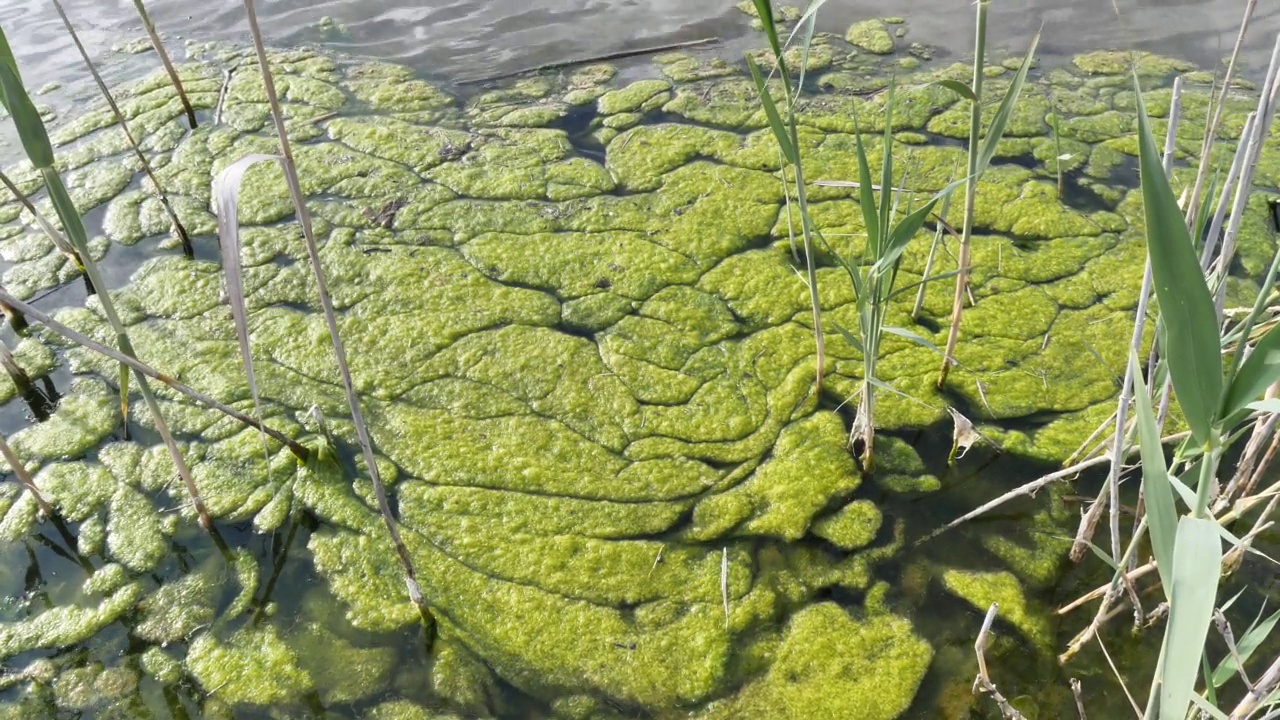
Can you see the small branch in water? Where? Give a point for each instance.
(619, 55)
(296, 448)
(1029, 489)
(331, 321)
(1078, 695)
(164, 60)
(222, 96)
(59, 241)
(983, 681)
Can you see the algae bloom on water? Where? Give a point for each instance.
(572, 312)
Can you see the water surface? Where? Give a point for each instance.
(458, 39)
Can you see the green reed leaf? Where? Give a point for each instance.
(771, 112)
(1256, 373)
(867, 196)
(765, 9)
(1193, 351)
(958, 88)
(1005, 111)
(1197, 563)
(35, 141)
(1157, 488)
(1248, 643)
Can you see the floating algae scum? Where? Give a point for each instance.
(584, 349)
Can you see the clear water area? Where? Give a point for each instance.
(46, 570)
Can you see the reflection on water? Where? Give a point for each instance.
(465, 38)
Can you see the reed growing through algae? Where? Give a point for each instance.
(1188, 357)
(757, 537)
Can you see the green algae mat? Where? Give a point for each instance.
(574, 316)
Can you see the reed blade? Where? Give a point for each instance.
(1197, 561)
(1157, 486)
(996, 131)
(1195, 359)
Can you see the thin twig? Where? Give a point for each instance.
(124, 126)
(137, 365)
(1259, 693)
(59, 240)
(326, 305)
(1211, 132)
(24, 478)
(1032, 488)
(618, 55)
(983, 680)
(724, 584)
(1077, 693)
(164, 60)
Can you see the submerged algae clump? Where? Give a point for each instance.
(252, 666)
(832, 665)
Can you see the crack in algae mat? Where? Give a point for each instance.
(576, 323)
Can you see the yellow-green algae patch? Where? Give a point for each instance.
(832, 665)
(590, 382)
(872, 36)
(252, 666)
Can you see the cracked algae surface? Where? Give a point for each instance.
(587, 362)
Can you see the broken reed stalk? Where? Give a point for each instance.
(1260, 693)
(1110, 495)
(124, 126)
(983, 680)
(21, 380)
(299, 450)
(35, 142)
(607, 57)
(1077, 692)
(939, 235)
(724, 584)
(326, 305)
(57, 238)
(1032, 488)
(164, 60)
(24, 478)
(970, 191)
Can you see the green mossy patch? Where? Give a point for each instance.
(589, 381)
(832, 665)
(1115, 62)
(872, 36)
(640, 96)
(252, 666)
(982, 589)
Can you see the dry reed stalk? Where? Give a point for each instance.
(326, 305)
(164, 60)
(300, 451)
(124, 126)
